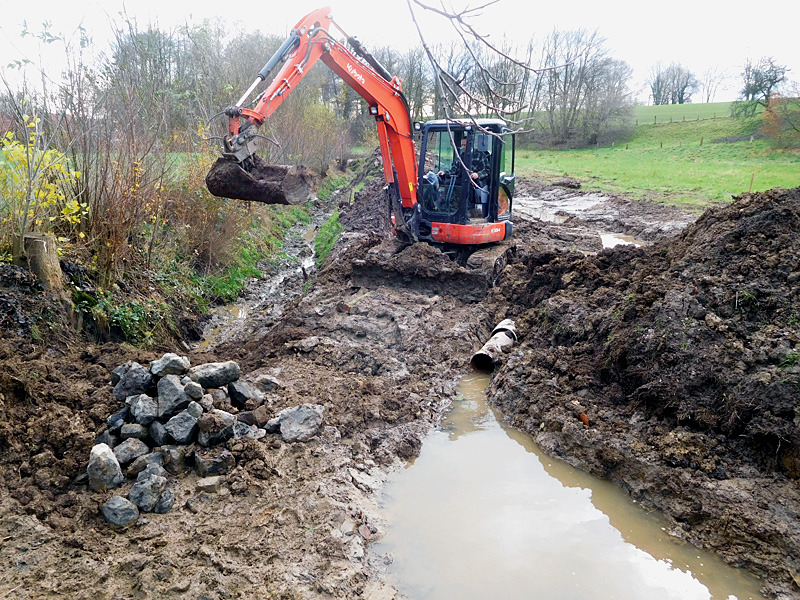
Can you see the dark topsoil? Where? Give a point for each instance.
(681, 355)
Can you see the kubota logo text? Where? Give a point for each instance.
(352, 70)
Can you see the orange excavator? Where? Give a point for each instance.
(457, 191)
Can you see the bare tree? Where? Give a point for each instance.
(464, 68)
(674, 84)
(759, 81)
(579, 99)
(657, 81)
(710, 81)
(417, 81)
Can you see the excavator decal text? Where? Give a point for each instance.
(352, 70)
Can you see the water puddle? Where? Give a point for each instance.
(556, 208)
(610, 240)
(559, 208)
(483, 514)
(311, 235)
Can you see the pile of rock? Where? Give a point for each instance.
(177, 417)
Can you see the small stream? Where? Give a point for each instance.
(483, 514)
(266, 297)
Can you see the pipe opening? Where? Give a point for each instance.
(482, 362)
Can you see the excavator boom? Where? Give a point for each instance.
(240, 174)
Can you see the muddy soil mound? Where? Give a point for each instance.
(369, 211)
(23, 305)
(683, 359)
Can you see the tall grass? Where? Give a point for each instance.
(326, 237)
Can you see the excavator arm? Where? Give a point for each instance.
(310, 41)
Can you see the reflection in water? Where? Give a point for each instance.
(482, 514)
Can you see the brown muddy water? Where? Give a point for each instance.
(482, 513)
(609, 240)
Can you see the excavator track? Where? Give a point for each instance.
(426, 267)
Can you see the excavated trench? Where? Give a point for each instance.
(383, 358)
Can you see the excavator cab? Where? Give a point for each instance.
(466, 182)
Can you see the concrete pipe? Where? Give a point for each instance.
(489, 356)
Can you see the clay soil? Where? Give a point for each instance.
(680, 355)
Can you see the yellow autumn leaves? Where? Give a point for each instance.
(38, 187)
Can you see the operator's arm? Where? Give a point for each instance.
(480, 164)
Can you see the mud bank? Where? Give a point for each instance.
(292, 520)
(684, 358)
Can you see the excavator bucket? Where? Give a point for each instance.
(270, 184)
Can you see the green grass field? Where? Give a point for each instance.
(645, 115)
(690, 163)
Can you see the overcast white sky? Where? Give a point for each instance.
(697, 33)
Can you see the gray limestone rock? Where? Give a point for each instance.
(143, 408)
(213, 462)
(182, 427)
(273, 425)
(194, 390)
(133, 430)
(209, 484)
(165, 503)
(215, 375)
(245, 431)
(141, 463)
(207, 401)
(146, 492)
(107, 438)
(300, 423)
(241, 391)
(172, 398)
(119, 511)
(170, 364)
(136, 380)
(130, 450)
(159, 434)
(152, 468)
(117, 420)
(119, 372)
(195, 409)
(175, 458)
(216, 426)
(103, 470)
(266, 383)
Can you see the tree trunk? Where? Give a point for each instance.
(38, 252)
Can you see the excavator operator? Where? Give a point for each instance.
(480, 164)
(479, 172)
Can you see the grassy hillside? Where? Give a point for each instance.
(644, 115)
(692, 163)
